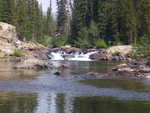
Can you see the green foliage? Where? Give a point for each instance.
(101, 44)
(17, 53)
(90, 24)
(59, 41)
(79, 20)
(28, 17)
(46, 43)
(93, 33)
(122, 21)
(62, 18)
(83, 43)
(3, 57)
(116, 54)
(143, 49)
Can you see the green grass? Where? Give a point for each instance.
(17, 53)
(3, 57)
(116, 54)
(101, 44)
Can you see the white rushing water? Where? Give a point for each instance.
(77, 56)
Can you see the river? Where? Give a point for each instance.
(72, 92)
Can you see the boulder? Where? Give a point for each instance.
(8, 36)
(33, 64)
(6, 49)
(126, 69)
(132, 69)
(144, 70)
(148, 76)
(57, 73)
(8, 32)
(99, 56)
(93, 73)
(122, 50)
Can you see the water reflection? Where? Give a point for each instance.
(7, 72)
(54, 103)
(125, 84)
(109, 105)
(11, 102)
(64, 95)
(80, 67)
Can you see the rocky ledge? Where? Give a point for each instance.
(115, 53)
(137, 69)
(26, 55)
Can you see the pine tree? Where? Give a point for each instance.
(7, 7)
(62, 18)
(127, 21)
(102, 19)
(22, 20)
(79, 20)
(143, 9)
(49, 25)
(1, 9)
(93, 33)
(112, 31)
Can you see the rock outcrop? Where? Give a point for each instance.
(132, 69)
(28, 55)
(100, 55)
(122, 50)
(8, 32)
(115, 53)
(7, 38)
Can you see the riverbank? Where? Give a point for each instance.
(25, 55)
(33, 56)
(133, 69)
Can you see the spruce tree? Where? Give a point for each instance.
(49, 23)
(79, 20)
(7, 7)
(102, 19)
(143, 9)
(22, 20)
(112, 31)
(127, 21)
(62, 18)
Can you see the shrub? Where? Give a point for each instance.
(116, 54)
(143, 49)
(59, 41)
(45, 42)
(17, 53)
(3, 57)
(83, 43)
(101, 44)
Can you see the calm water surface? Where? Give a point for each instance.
(47, 93)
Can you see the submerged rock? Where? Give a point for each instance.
(93, 73)
(34, 64)
(132, 69)
(101, 55)
(57, 73)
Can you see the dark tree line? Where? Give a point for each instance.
(28, 17)
(81, 23)
(112, 21)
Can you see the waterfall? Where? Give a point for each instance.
(72, 56)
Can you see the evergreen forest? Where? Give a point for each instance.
(80, 23)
